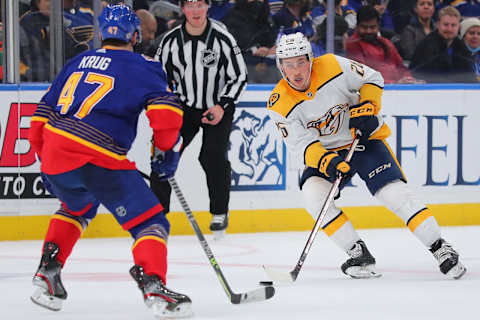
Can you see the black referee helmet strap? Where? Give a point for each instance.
(182, 2)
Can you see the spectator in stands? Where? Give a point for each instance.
(79, 31)
(368, 47)
(442, 56)
(470, 33)
(148, 23)
(319, 14)
(250, 24)
(386, 21)
(355, 4)
(419, 27)
(467, 8)
(340, 36)
(294, 17)
(275, 6)
(35, 42)
(401, 12)
(219, 8)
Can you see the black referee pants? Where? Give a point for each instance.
(213, 159)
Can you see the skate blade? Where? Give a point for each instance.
(160, 311)
(363, 272)
(219, 235)
(457, 272)
(44, 299)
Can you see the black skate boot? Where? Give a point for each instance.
(165, 303)
(361, 264)
(447, 259)
(218, 225)
(50, 292)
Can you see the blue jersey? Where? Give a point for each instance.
(93, 107)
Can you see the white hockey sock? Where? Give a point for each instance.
(398, 197)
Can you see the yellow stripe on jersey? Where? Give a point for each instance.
(85, 143)
(165, 107)
(336, 224)
(39, 119)
(69, 220)
(372, 93)
(284, 98)
(418, 219)
(149, 238)
(382, 133)
(313, 153)
(325, 68)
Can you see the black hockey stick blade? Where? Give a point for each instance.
(259, 294)
(256, 295)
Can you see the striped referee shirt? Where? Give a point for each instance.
(203, 70)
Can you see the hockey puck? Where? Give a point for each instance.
(210, 116)
(266, 283)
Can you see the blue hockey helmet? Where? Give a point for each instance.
(119, 22)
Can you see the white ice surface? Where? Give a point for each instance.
(99, 287)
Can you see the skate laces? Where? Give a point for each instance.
(356, 251)
(219, 218)
(444, 252)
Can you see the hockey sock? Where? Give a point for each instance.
(341, 231)
(150, 252)
(65, 230)
(425, 227)
(398, 197)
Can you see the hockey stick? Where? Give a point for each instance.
(236, 298)
(291, 276)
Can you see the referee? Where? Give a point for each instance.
(205, 67)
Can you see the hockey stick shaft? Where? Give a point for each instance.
(322, 214)
(259, 294)
(255, 295)
(331, 194)
(200, 236)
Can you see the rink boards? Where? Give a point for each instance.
(433, 134)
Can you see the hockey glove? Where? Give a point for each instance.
(332, 165)
(165, 163)
(363, 119)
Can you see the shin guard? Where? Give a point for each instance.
(150, 252)
(64, 230)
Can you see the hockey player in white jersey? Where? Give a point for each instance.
(318, 106)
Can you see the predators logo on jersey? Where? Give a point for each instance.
(273, 98)
(331, 121)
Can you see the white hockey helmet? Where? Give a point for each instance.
(293, 45)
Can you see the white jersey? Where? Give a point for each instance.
(321, 113)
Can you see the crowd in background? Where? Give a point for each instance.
(408, 41)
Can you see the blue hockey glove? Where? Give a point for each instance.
(165, 163)
(363, 119)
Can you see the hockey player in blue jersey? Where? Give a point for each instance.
(82, 130)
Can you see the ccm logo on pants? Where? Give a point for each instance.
(379, 169)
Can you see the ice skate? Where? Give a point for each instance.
(361, 264)
(166, 304)
(218, 225)
(447, 259)
(49, 292)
